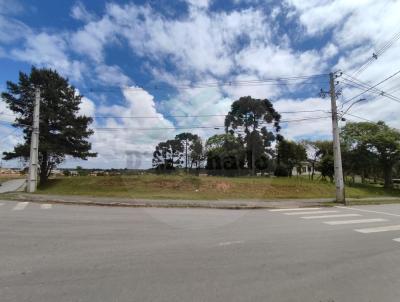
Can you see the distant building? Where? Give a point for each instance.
(305, 168)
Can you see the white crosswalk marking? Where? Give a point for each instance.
(379, 229)
(330, 216)
(294, 209)
(396, 239)
(45, 206)
(312, 212)
(20, 206)
(355, 221)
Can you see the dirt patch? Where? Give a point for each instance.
(223, 186)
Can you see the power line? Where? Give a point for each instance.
(297, 80)
(370, 88)
(198, 127)
(185, 116)
(195, 116)
(377, 54)
(355, 83)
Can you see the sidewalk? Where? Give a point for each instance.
(13, 185)
(169, 203)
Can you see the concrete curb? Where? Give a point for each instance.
(206, 204)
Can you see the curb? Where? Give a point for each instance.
(242, 206)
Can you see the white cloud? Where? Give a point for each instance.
(111, 75)
(49, 50)
(200, 44)
(79, 12)
(302, 125)
(12, 30)
(138, 135)
(199, 3)
(90, 40)
(87, 107)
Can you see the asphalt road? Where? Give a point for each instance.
(87, 253)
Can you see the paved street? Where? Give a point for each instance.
(88, 253)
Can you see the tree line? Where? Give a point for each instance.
(252, 144)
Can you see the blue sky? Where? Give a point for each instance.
(133, 58)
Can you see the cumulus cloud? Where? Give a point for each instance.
(120, 135)
(49, 50)
(242, 44)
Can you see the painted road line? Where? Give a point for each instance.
(312, 212)
(20, 206)
(379, 229)
(355, 221)
(45, 206)
(294, 209)
(331, 216)
(1, 204)
(367, 211)
(396, 239)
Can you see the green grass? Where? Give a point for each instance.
(192, 187)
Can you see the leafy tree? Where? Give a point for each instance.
(225, 154)
(358, 160)
(290, 154)
(168, 155)
(251, 117)
(316, 150)
(377, 138)
(192, 149)
(326, 167)
(197, 153)
(63, 131)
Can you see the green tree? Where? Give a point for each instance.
(251, 117)
(192, 149)
(377, 138)
(225, 155)
(316, 150)
(168, 155)
(290, 154)
(326, 167)
(63, 131)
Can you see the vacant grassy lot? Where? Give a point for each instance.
(191, 187)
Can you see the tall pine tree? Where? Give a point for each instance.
(63, 131)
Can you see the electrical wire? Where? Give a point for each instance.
(370, 88)
(377, 54)
(362, 86)
(198, 127)
(296, 80)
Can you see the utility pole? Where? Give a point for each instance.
(34, 154)
(339, 183)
